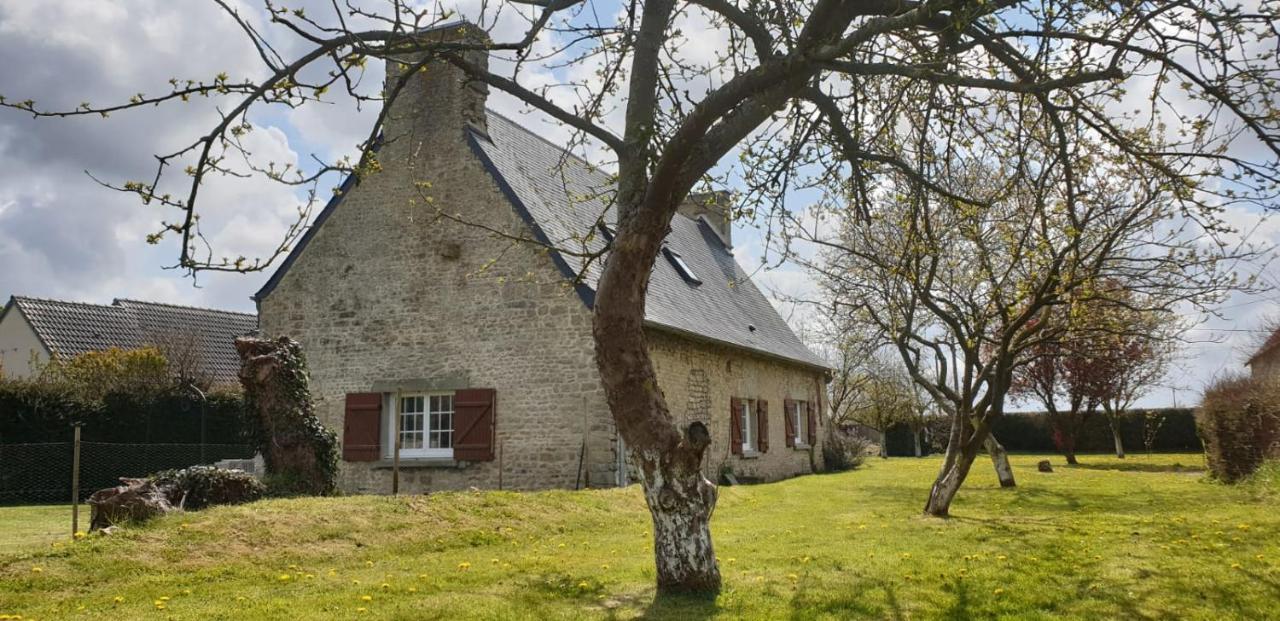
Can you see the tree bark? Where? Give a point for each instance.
(962, 448)
(1000, 459)
(1115, 434)
(915, 438)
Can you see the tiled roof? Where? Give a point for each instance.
(566, 197)
(73, 328)
(1268, 345)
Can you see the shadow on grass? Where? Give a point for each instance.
(849, 603)
(1130, 466)
(681, 606)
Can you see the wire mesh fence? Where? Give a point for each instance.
(43, 472)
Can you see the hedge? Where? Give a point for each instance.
(1030, 432)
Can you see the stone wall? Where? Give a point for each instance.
(388, 293)
(699, 379)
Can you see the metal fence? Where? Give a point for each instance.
(45, 472)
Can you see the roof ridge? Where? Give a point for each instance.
(116, 303)
(32, 298)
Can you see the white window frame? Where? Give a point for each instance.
(801, 415)
(393, 405)
(747, 418)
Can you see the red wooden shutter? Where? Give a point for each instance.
(762, 425)
(735, 426)
(812, 429)
(473, 424)
(789, 417)
(362, 427)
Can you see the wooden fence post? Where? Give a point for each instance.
(75, 483)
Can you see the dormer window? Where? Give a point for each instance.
(686, 272)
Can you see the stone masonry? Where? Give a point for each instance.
(398, 290)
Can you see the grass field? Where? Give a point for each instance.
(1146, 538)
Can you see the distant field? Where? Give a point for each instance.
(1144, 538)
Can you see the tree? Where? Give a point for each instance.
(965, 289)
(883, 398)
(789, 80)
(1133, 351)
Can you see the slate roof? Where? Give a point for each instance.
(563, 198)
(72, 328)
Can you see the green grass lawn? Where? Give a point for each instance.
(1146, 538)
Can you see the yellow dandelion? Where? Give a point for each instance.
(422, 576)
(333, 572)
(37, 570)
(79, 534)
(413, 589)
(1259, 557)
(355, 581)
(385, 586)
(998, 591)
(362, 609)
(368, 563)
(283, 577)
(366, 598)
(463, 566)
(1235, 565)
(792, 577)
(605, 566)
(583, 585)
(240, 598)
(1002, 558)
(1242, 526)
(118, 599)
(494, 561)
(164, 598)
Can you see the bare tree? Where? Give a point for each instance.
(794, 84)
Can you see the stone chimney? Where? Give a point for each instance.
(442, 98)
(713, 207)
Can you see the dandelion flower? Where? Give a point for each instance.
(37, 570)
(998, 591)
(1242, 526)
(1235, 565)
(463, 566)
(422, 576)
(583, 585)
(413, 589)
(385, 586)
(605, 566)
(366, 598)
(164, 598)
(368, 563)
(792, 577)
(79, 534)
(362, 609)
(355, 581)
(118, 599)
(283, 577)
(1001, 558)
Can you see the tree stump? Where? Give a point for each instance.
(1044, 466)
(299, 453)
(136, 500)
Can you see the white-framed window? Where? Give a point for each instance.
(424, 425)
(802, 423)
(747, 420)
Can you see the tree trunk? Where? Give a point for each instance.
(915, 438)
(1115, 434)
(681, 500)
(884, 446)
(1000, 459)
(962, 448)
(300, 455)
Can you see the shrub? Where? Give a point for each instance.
(844, 451)
(205, 486)
(1239, 423)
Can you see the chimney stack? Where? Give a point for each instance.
(713, 207)
(443, 97)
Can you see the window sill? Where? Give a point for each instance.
(418, 462)
(750, 455)
(802, 447)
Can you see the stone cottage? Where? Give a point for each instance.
(440, 306)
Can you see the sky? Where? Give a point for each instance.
(62, 235)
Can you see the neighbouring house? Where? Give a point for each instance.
(1266, 360)
(428, 325)
(197, 341)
